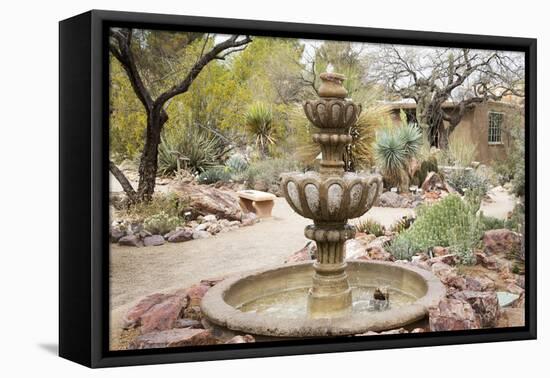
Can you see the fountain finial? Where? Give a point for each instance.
(332, 85)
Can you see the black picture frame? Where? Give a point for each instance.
(83, 195)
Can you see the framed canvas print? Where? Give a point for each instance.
(235, 188)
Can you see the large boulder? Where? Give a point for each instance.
(452, 315)
(207, 200)
(133, 316)
(156, 312)
(176, 337)
(501, 242)
(163, 315)
(484, 303)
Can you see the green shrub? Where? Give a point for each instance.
(236, 163)
(460, 152)
(491, 223)
(268, 171)
(161, 223)
(215, 174)
(369, 226)
(171, 204)
(188, 148)
(461, 179)
(401, 248)
(449, 222)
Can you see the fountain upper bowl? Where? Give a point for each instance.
(331, 198)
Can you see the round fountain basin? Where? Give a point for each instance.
(273, 302)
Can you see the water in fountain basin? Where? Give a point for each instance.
(293, 303)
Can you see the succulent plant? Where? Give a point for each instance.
(370, 226)
(448, 223)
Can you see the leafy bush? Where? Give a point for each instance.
(491, 223)
(461, 179)
(171, 204)
(449, 222)
(188, 148)
(460, 151)
(215, 174)
(236, 163)
(161, 223)
(268, 171)
(401, 248)
(370, 226)
(394, 149)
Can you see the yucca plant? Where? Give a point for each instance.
(394, 149)
(259, 123)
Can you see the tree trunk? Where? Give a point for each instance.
(149, 157)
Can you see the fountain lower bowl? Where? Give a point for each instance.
(271, 302)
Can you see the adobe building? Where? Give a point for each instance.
(487, 124)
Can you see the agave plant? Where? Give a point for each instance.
(188, 148)
(259, 123)
(394, 149)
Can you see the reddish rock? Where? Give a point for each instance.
(489, 262)
(433, 181)
(449, 259)
(163, 315)
(194, 297)
(133, 316)
(380, 254)
(241, 339)
(511, 317)
(305, 254)
(478, 284)
(177, 337)
(452, 315)
(514, 289)
(440, 251)
(501, 241)
(179, 236)
(485, 304)
(187, 323)
(444, 272)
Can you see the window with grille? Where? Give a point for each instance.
(495, 127)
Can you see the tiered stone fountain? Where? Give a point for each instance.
(329, 296)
